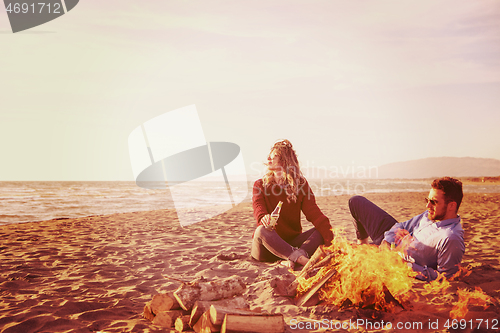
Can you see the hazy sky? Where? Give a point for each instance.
(350, 83)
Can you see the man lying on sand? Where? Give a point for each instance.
(284, 182)
(433, 242)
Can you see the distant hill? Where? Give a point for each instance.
(441, 166)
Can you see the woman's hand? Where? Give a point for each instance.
(266, 221)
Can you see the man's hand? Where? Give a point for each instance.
(400, 235)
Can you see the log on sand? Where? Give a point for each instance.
(167, 318)
(188, 293)
(200, 307)
(182, 323)
(253, 323)
(217, 313)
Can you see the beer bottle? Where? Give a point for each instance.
(275, 215)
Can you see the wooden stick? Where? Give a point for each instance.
(257, 324)
(317, 255)
(292, 288)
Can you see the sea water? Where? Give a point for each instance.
(39, 200)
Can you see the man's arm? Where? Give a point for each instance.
(450, 253)
(399, 231)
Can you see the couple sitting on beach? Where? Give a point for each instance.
(434, 239)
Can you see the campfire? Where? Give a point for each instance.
(364, 276)
(351, 275)
(345, 275)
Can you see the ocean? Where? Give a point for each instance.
(33, 201)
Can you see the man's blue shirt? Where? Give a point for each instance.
(436, 246)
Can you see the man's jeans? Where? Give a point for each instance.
(370, 220)
(268, 246)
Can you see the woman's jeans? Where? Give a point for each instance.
(268, 246)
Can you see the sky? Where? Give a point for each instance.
(349, 83)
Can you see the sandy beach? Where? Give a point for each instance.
(97, 273)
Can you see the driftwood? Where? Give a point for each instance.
(256, 323)
(188, 293)
(201, 307)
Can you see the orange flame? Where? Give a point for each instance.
(466, 297)
(462, 272)
(371, 276)
(439, 285)
(365, 276)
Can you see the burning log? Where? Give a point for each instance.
(317, 256)
(359, 276)
(319, 259)
(253, 323)
(188, 293)
(304, 298)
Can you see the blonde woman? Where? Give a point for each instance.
(285, 182)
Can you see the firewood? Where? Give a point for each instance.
(162, 319)
(167, 318)
(258, 324)
(291, 289)
(317, 256)
(162, 302)
(204, 325)
(304, 298)
(217, 313)
(148, 314)
(203, 306)
(182, 323)
(187, 294)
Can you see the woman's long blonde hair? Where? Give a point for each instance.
(292, 176)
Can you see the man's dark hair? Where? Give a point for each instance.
(451, 187)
